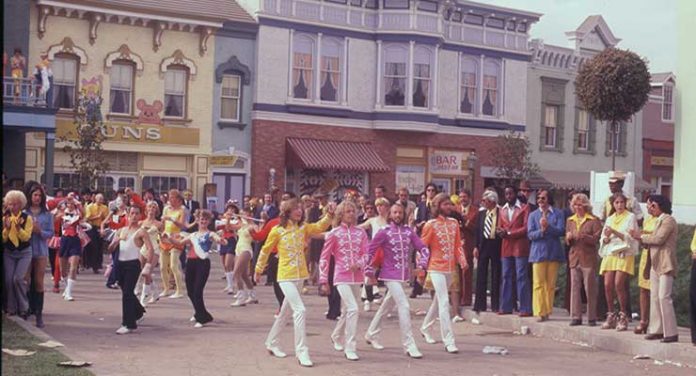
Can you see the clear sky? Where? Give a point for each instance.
(647, 27)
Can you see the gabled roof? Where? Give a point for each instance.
(208, 10)
(657, 79)
(596, 24)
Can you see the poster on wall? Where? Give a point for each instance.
(335, 183)
(446, 162)
(411, 177)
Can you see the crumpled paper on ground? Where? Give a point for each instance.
(495, 350)
(51, 344)
(18, 352)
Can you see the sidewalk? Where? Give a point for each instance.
(166, 343)
(557, 328)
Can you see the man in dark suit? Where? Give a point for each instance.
(190, 204)
(487, 251)
(269, 208)
(516, 284)
(423, 214)
(468, 225)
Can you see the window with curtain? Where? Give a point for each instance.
(302, 67)
(491, 79)
(330, 90)
(175, 82)
(162, 184)
(394, 75)
(468, 87)
(550, 125)
(64, 81)
(615, 139)
(667, 112)
(583, 130)
(230, 97)
(421, 78)
(120, 95)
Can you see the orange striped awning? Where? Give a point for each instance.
(333, 155)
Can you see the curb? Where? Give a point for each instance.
(681, 353)
(40, 334)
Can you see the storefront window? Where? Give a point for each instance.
(162, 184)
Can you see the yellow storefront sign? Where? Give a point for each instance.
(136, 133)
(661, 161)
(223, 160)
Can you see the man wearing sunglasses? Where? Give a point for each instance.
(525, 193)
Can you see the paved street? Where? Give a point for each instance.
(167, 344)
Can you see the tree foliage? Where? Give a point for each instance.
(613, 85)
(512, 158)
(84, 144)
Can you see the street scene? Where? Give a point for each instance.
(219, 187)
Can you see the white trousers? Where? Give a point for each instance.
(662, 317)
(292, 301)
(395, 296)
(348, 322)
(440, 302)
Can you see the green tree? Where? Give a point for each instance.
(612, 86)
(84, 142)
(512, 158)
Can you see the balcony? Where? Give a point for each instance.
(22, 92)
(25, 107)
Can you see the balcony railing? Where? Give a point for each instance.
(22, 92)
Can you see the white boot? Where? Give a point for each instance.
(154, 294)
(242, 298)
(68, 290)
(230, 282)
(144, 294)
(251, 299)
(304, 359)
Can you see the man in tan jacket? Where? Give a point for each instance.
(662, 244)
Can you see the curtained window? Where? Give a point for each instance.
(583, 130)
(302, 67)
(120, 95)
(230, 97)
(64, 81)
(468, 87)
(175, 86)
(550, 125)
(421, 78)
(395, 75)
(330, 69)
(491, 79)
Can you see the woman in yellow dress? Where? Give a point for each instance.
(618, 250)
(644, 283)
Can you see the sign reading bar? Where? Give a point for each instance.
(661, 161)
(411, 177)
(136, 133)
(447, 162)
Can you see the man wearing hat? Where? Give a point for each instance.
(616, 183)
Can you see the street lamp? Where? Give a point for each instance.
(471, 163)
(271, 179)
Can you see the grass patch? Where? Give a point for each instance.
(44, 362)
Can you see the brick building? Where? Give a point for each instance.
(356, 93)
(658, 133)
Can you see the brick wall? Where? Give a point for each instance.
(268, 148)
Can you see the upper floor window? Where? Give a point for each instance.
(65, 81)
(667, 107)
(583, 139)
(421, 78)
(616, 141)
(330, 77)
(550, 125)
(230, 97)
(302, 66)
(396, 4)
(395, 75)
(468, 87)
(491, 88)
(175, 91)
(121, 93)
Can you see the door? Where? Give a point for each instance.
(229, 187)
